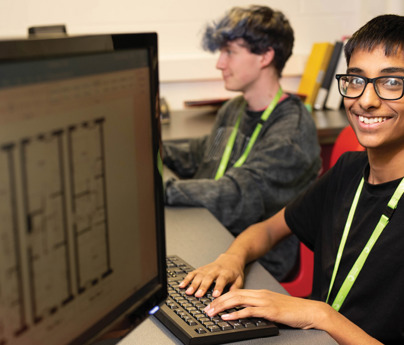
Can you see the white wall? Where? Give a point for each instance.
(186, 71)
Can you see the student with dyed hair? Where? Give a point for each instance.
(263, 149)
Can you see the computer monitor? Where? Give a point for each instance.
(81, 199)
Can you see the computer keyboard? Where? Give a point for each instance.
(183, 315)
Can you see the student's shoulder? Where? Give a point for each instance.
(292, 111)
(353, 158)
(351, 162)
(290, 99)
(231, 106)
(292, 105)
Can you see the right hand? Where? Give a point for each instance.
(226, 270)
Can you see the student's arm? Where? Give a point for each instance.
(228, 268)
(184, 156)
(291, 311)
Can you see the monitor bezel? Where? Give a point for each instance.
(136, 307)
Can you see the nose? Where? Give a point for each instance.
(221, 61)
(369, 98)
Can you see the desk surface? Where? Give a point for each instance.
(199, 227)
(197, 122)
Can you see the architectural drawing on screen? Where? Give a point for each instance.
(54, 240)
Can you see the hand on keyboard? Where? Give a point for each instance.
(283, 309)
(184, 314)
(226, 270)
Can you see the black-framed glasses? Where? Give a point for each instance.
(388, 88)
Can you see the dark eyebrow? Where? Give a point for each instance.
(393, 70)
(356, 70)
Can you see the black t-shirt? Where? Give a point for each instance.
(376, 300)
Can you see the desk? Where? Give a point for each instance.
(198, 226)
(329, 124)
(197, 122)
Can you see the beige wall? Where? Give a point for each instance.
(186, 71)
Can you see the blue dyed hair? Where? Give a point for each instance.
(260, 27)
(386, 30)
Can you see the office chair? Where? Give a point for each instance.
(301, 285)
(346, 141)
(302, 282)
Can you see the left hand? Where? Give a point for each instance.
(292, 311)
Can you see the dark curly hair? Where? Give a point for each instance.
(259, 26)
(386, 30)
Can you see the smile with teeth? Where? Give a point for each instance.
(371, 120)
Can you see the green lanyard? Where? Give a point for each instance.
(230, 143)
(360, 261)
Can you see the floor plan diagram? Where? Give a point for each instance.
(54, 232)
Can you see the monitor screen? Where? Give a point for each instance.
(81, 206)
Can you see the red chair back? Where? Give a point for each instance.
(301, 285)
(346, 141)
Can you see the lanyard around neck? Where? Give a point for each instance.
(360, 261)
(230, 143)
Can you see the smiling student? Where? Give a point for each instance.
(352, 217)
(263, 149)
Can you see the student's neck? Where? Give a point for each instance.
(261, 96)
(385, 167)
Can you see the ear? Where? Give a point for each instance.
(267, 57)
